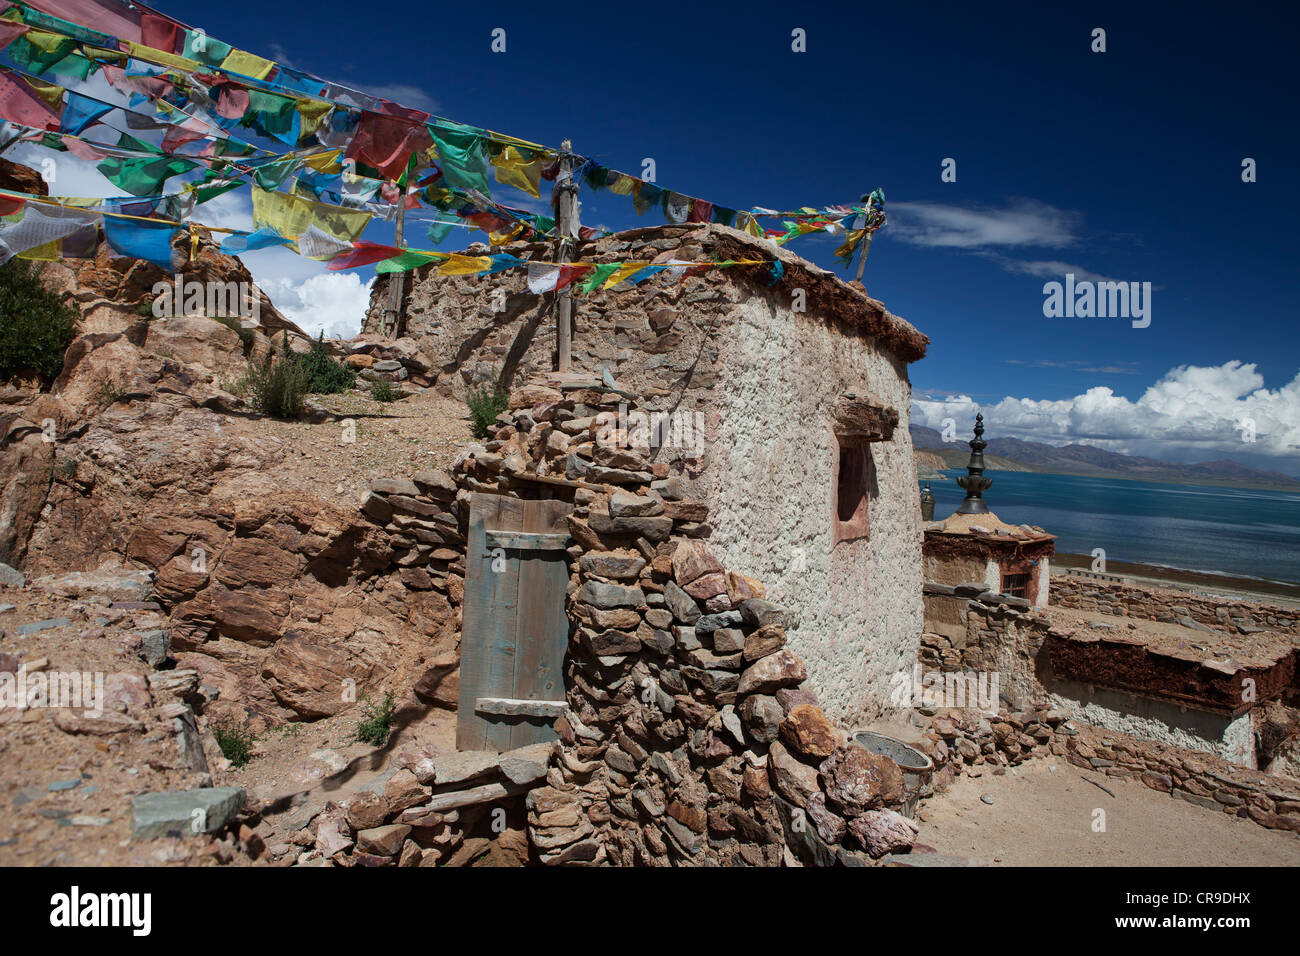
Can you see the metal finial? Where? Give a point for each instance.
(973, 482)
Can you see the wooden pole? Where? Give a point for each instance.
(866, 241)
(862, 262)
(567, 228)
(397, 285)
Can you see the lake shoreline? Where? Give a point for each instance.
(1226, 585)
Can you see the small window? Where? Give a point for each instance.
(852, 491)
(1014, 585)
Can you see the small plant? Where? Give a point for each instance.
(145, 309)
(109, 392)
(35, 325)
(277, 386)
(374, 728)
(235, 741)
(485, 406)
(325, 374)
(382, 391)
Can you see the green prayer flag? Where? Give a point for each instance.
(141, 176)
(405, 262)
(599, 275)
(461, 155)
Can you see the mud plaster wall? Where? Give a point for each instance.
(772, 475)
(726, 351)
(1223, 735)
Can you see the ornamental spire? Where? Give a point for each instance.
(974, 482)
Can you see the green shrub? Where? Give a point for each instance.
(235, 741)
(325, 374)
(384, 392)
(277, 386)
(485, 406)
(374, 728)
(35, 325)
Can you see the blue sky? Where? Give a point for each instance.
(1124, 165)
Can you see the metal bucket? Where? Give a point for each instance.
(917, 767)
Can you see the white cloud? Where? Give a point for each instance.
(403, 94)
(1022, 222)
(982, 230)
(1192, 413)
(310, 296)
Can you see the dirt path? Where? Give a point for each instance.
(1043, 814)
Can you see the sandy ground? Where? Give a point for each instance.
(1043, 815)
(1221, 586)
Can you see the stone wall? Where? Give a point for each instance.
(958, 740)
(689, 739)
(993, 633)
(1172, 606)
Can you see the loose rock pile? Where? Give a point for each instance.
(433, 810)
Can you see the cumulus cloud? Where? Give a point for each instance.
(309, 295)
(1191, 414)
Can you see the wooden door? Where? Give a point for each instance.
(514, 629)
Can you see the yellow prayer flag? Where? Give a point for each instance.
(247, 64)
(519, 169)
(622, 272)
(51, 94)
(51, 251)
(313, 113)
(624, 185)
(464, 265)
(751, 225)
(147, 53)
(291, 215)
(325, 162)
(501, 238)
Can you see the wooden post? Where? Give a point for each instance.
(567, 228)
(397, 284)
(866, 241)
(862, 262)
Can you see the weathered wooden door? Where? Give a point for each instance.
(514, 630)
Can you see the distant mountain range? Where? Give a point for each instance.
(1014, 454)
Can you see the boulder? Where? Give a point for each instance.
(856, 780)
(883, 831)
(808, 732)
(781, 669)
(186, 812)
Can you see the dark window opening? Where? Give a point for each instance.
(1015, 585)
(852, 491)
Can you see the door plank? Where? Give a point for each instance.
(488, 617)
(543, 630)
